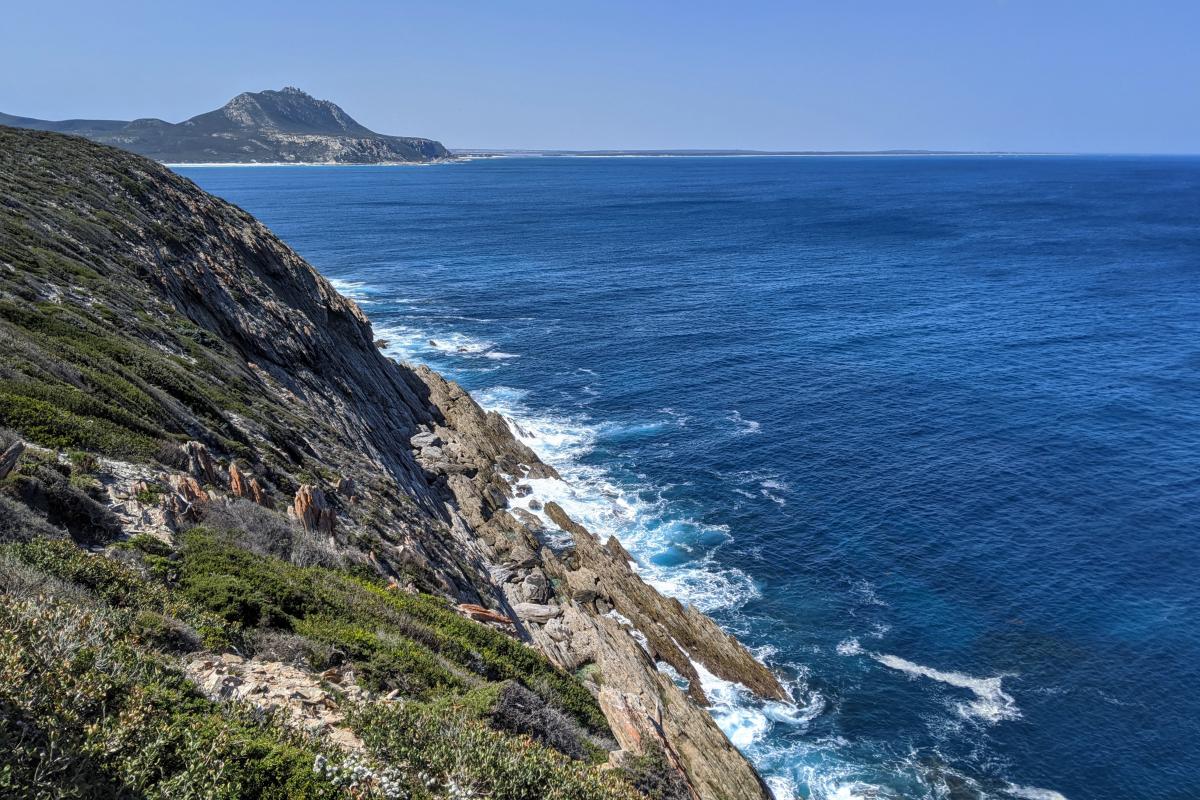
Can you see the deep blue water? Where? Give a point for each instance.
(925, 432)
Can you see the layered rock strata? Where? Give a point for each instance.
(276, 379)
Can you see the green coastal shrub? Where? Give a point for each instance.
(85, 712)
(119, 586)
(380, 630)
(52, 426)
(464, 757)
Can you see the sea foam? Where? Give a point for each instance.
(991, 704)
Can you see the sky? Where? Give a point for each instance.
(1024, 75)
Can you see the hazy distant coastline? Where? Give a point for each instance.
(684, 153)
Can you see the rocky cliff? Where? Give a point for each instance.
(202, 364)
(284, 126)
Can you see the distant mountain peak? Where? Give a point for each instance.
(287, 110)
(273, 125)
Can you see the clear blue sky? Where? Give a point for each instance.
(1091, 75)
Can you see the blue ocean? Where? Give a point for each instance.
(923, 431)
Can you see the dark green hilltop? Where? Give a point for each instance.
(284, 126)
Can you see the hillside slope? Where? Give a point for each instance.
(198, 403)
(284, 126)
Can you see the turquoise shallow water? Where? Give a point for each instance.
(925, 432)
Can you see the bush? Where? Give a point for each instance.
(88, 714)
(348, 612)
(464, 757)
(655, 778)
(268, 533)
(170, 454)
(57, 428)
(119, 586)
(502, 657)
(294, 650)
(20, 524)
(240, 586)
(44, 488)
(513, 708)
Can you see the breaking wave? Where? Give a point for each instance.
(675, 552)
(991, 704)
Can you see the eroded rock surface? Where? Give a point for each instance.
(311, 702)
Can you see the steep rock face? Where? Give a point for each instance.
(279, 375)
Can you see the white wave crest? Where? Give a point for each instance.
(461, 344)
(1034, 793)
(992, 704)
(744, 426)
(782, 787)
(636, 515)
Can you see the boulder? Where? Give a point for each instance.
(536, 586)
(425, 439)
(530, 521)
(538, 613)
(348, 489)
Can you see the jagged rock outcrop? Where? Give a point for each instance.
(239, 486)
(9, 458)
(313, 510)
(647, 712)
(676, 634)
(199, 462)
(575, 626)
(248, 487)
(187, 495)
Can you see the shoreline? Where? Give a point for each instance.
(468, 156)
(200, 164)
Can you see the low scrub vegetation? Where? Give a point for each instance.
(478, 761)
(387, 633)
(88, 710)
(94, 703)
